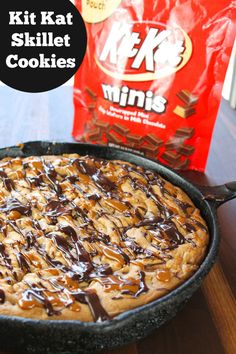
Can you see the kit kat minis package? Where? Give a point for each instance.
(152, 77)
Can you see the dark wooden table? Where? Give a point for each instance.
(207, 325)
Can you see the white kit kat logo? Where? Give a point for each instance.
(142, 51)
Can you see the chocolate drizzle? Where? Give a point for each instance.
(89, 252)
(5, 257)
(39, 296)
(167, 226)
(172, 233)
(35, 181)
(51, 176)
(84, 263)
(183, 205)
(55, 208)
(14, 204)
(23, 264)
(2, 296)
(30, 240)
(101, 181)
(189, 227)
(143, 288)
(8, 183)
(3, 227)
(91, 299)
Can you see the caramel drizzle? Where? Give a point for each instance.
(134, 287)
(89, 298)
(39, 296)
(14, 204)
(82, 268)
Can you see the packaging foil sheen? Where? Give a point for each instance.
(152, 77)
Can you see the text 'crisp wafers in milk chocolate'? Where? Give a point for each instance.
(152, 77)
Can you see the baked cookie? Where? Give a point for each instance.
(87, 239)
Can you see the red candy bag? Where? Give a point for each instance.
(152, 77)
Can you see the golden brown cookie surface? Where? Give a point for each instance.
(87, 239)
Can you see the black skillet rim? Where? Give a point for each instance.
(192, 191)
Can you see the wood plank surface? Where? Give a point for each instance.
(218, 293)
(207, 324)
(128, 349)
(191, 331)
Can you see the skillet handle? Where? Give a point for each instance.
(219, 195)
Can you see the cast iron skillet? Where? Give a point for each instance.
(35, 336)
